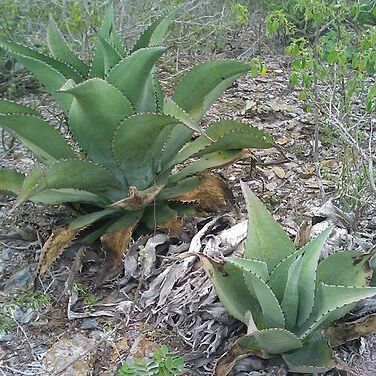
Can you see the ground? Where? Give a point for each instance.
(44, 330)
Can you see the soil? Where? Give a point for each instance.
(100, 329)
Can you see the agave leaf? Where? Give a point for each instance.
(273, 340)
(111, 56)
(232, 290)
(203, 84)
(332, 303)
(178, 189)
(209, 161)
(260, 268)
(272, 313)
(158, 216)
(54, 247)
(224, 135)
(278, 276)
(158, 92)
(50, 78)
(61, 51)
(11, 181)
(290, 302)
(33, 183)
(211, 194)
(259, 244)
(90, 218)
(96, 111)
(135, 135)
(314, 357)
(55, 196)
(8, 107)
(172, 109)
(107, 33)
(307, 279)
(133, 77)
(26, 55)
(46, 143)
(155, 33)
(351, 269)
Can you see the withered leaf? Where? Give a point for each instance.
(54, 247)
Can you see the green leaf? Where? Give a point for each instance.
(307, 279)
(206, 162)
(271, 310)
(232, 290)
(260, 268)
(126, 218)
(56, 196)
(133, 77)
(314, 357)
(88, 219)
(203, 84)
(260, 245)
(47, 144)
(351, 269)
(224, 135)
(155, 33)
(95, 113)
(9, 107)
(31, 184)
(181, 187)
(135, 135)
(111, 57)
(11, 180)
(61, 51)
(27, 55)
(273, 340)
(107, 33)
(332, 303)
(158, 214)
(290, 302)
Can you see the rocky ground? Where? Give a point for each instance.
(62, 324)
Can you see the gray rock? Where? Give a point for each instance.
(88, 324)
(21, 280)
(7, 253)
(5, 337)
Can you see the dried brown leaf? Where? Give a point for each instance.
(303, 234)
(54, 247)
(115, 244)
(211, 194)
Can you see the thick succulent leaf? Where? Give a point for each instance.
(278, 276)
(271, 310)
(260, 268)
(9, 107)
(11, 181)
(32, 184)
(180, 188)
(50, 78)
(351, 269)
(61, 50)
(55, 196)
(332, 303)
(108, 33)
(203, 84)
(232, 290)
(224, 135)
(307, 279)
(96, 111)
(314, 357)
(111, 56)
(133, 77)
(158, 92)
(135, 135)
(46, 143)
(290, 302)
(28, 55)
(157, 215)
(207, 162)
(260, 244)
(155, 33)
(172, 109)
(90, 218)
(273, 340)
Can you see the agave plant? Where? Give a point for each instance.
(127, 164)
(286, 296)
